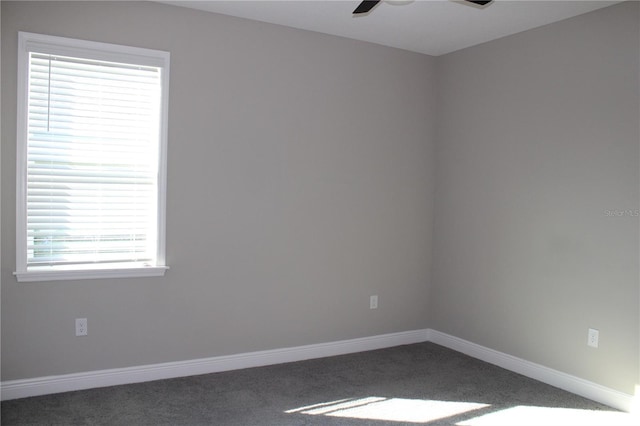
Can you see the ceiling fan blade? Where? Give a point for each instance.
(365, 6)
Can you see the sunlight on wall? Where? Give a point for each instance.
(424, 411)
(390, 409)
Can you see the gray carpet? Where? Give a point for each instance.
(407, 376)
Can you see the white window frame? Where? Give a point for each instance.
(31, 42)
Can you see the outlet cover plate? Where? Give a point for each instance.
(81, 326)
(373, 302)
(593, 337)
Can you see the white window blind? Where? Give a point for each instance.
(92, 164)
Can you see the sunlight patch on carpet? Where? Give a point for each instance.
(390, 409)
(535, 416)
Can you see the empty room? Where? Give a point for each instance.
(320, 212)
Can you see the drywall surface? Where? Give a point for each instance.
(537, 195)
(300, 182)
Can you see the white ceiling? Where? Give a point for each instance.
(434, 27)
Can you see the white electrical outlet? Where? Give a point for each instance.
(373, 302)
(81, 327)
(592, 338)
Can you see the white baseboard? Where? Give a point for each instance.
(573, 384)
(14, 389)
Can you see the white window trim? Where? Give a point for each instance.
(99, 51)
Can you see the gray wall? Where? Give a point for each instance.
(300, 183)
(537, 139)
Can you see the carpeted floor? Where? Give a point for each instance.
(414, 384)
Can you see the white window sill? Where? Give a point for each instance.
(57, 274)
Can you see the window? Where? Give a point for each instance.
(91, 159)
